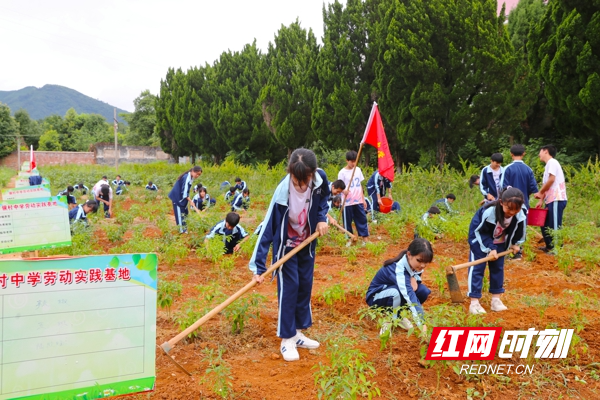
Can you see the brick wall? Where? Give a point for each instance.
(102, 154)
(50, 158)
(105, 154)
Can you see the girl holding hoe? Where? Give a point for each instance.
(297, 210)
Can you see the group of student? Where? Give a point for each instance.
(102, 193)
(238, 195)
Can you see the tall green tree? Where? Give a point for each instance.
(142, 121)
(173, 113)
(236, 112)
(565, 50)
(29, 129)
(343, 100)
(50, 141)
(9, 129)
(521, 20)
(286, 99)
(445, 72)
(201, 127)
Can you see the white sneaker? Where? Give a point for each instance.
(497, 305)
(304, 342)
(476, 308)
(406, 324)
(288, 349)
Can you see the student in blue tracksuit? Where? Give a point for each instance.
(202, 200)
(230, 195)
(490, 178)
(151, 186)
(496, 227)
(398, 283)
(80, 212)
(241, 201)
(297, 210)
(518, 174)
(378, 187)
(71, 202)
(233, 233)
(82, 188)
(240, 185)
(445, 204)
(180, 195)
(119, 185)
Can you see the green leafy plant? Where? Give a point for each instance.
(239, 311)
(190, 312)
(376, 248)
(348, 375)
(218, 373)
(166, 294)
(333, 293)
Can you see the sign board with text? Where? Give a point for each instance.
(78, 327)
(33, 224)
(26, 192)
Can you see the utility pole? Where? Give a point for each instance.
(116, 144)
(18, 154)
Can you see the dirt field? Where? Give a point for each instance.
(538, 295)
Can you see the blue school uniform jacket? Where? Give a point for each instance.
(153, 187)
(119, 182)
(487, 183)
(237, 234)
(397, 275)
(518, 174)
(77, 214)
(378, 184)
(181, 190)
(275, 225)
(443, 205)
(483, 226)
(240, 186)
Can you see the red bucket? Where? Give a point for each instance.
(537, 216)
(386, 205)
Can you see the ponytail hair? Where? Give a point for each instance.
(511, 197)
(195, 168)
(420, 247)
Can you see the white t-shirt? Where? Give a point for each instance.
(496, 174)
(558, 190)
(298, 215)
(355, 190)
(499, 232)
(97, 186)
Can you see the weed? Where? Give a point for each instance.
(439, 277)
(333, 293)
(350, 253)
(239, 311)
(190, 312)
(167, 292)
(218, 373)
(348, 374)
(540, 302)
(376, 248)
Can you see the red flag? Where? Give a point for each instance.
(375, 136)
(32, 164)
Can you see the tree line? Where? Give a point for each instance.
(451, 78)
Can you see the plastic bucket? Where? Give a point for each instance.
(537, 216)
(386, 205)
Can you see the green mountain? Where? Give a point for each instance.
(54, 99)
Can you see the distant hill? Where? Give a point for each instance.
(54, 99)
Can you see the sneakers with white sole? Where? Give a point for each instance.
(476, 308)
(304, 342)
(497, 305)
(288, 349)
(406, 324)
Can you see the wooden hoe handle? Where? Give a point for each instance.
(451, 270)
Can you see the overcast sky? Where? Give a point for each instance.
(113, 50)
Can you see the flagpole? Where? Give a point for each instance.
(362, 142)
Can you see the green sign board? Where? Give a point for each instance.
(33, 224)
(78, 327)
(26, 192)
